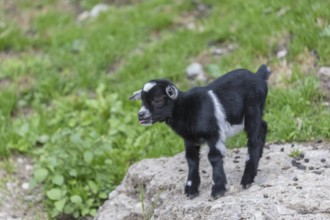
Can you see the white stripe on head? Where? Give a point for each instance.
(148, 86)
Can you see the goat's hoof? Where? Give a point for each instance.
(191, 192)
(218, 192)
(246, 182)
(246, 186)
(192, 196)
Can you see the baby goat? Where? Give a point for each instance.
(210, 115)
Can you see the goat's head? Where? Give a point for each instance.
(158, 97)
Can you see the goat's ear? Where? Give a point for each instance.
(136, 95)
(172, 92)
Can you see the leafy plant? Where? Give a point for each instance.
(296, 154)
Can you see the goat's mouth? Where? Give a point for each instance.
(146, 121)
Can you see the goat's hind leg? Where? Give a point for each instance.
(193, 182)
(256, 130)
(263, 133)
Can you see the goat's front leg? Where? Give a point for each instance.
(192, 156)
(219, 179)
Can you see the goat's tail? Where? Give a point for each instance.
(264, 72)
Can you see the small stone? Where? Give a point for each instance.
(323, 160)
(301, 167)
(181, 170)
(20, 160)
(295, 163)
(292, 145)
(25, 186)
(286, 168)
(236, 161)
(97, 9)
(265, 196)
(282, 53)
(311, 168)
(203, 171)
(236, 151)
(317, 172)
(319, 141)
(299, 187)
(295, 178)
(324, 71)
(306, 160)
(237, 157)
(195, 70)
(282, 149)
(268, 158)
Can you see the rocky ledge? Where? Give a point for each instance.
(285, 187)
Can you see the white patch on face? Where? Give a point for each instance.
(247, 157)
(148, 86)
(147, 114)
(145, 111)
(213, 182)
(189, 183)
(225, 128)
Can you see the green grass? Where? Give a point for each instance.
(65, 84)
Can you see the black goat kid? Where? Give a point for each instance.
(210, 115)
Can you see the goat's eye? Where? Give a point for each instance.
(158, 102)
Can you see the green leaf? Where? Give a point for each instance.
(76, 199)
(54, 194)
(73, 172)
(59, 205)
(43, 138)
(58, 180)
(103, 195)
(325, 32)
(92, 212)
(88, 157)
(93, 186)
(84, 211)
(40, 174)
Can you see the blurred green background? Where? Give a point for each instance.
(66, 73)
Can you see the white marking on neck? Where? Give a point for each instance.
(225, 128)
(148, 86)
(189, 183)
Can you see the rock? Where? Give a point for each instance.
(196, 71)
(324, 71)
(94, 12)
(324, 75)
(25, 186)
(97, 9)
(282, 53)
(273, 195)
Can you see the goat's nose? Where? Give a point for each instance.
(141, 114)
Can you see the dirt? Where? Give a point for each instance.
(18, 199)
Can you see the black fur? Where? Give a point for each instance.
(192, 115)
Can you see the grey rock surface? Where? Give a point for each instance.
(285, 188)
